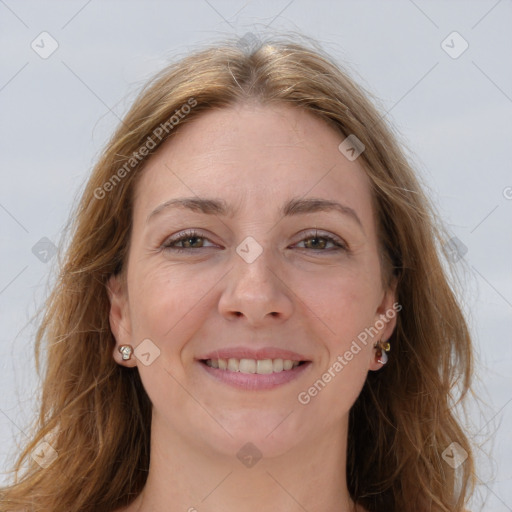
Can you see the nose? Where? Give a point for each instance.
(256, 291)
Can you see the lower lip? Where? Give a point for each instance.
(256, 381)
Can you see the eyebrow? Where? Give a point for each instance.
(294, 206)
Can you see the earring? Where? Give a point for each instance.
(382, 348)
(126, 351)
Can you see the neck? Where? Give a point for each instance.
(193, 477)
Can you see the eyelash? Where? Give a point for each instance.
(185, 235)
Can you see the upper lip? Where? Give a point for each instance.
(252, 353)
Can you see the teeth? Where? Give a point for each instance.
(277, 365)
(260, 366)
(263, 366)
(247, 365)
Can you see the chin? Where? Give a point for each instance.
(273, 434)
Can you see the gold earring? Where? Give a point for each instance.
(126, 351)
(382, 348)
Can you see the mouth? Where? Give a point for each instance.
(254, 366)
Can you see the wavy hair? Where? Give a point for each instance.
(97, 415)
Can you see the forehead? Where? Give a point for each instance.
(254, 155)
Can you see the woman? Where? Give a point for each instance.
(252, 313)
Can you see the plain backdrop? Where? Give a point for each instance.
(452, 106)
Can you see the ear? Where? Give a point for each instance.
(119, 317)
(385, 320)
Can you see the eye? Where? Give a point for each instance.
(192, 239)
(320, 241)
(189, 239)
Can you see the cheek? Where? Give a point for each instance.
(164, 299)
(344, 300)
(167, 305)
(345, 306)
(331, 394)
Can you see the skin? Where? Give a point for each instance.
(299, 294)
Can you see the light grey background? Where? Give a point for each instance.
(454, 114)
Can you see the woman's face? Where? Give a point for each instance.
(269, 272)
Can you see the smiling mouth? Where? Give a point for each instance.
(259, 366)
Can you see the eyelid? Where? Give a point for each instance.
(183, 235)
(315, 233)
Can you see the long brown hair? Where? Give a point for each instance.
(96, 414)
